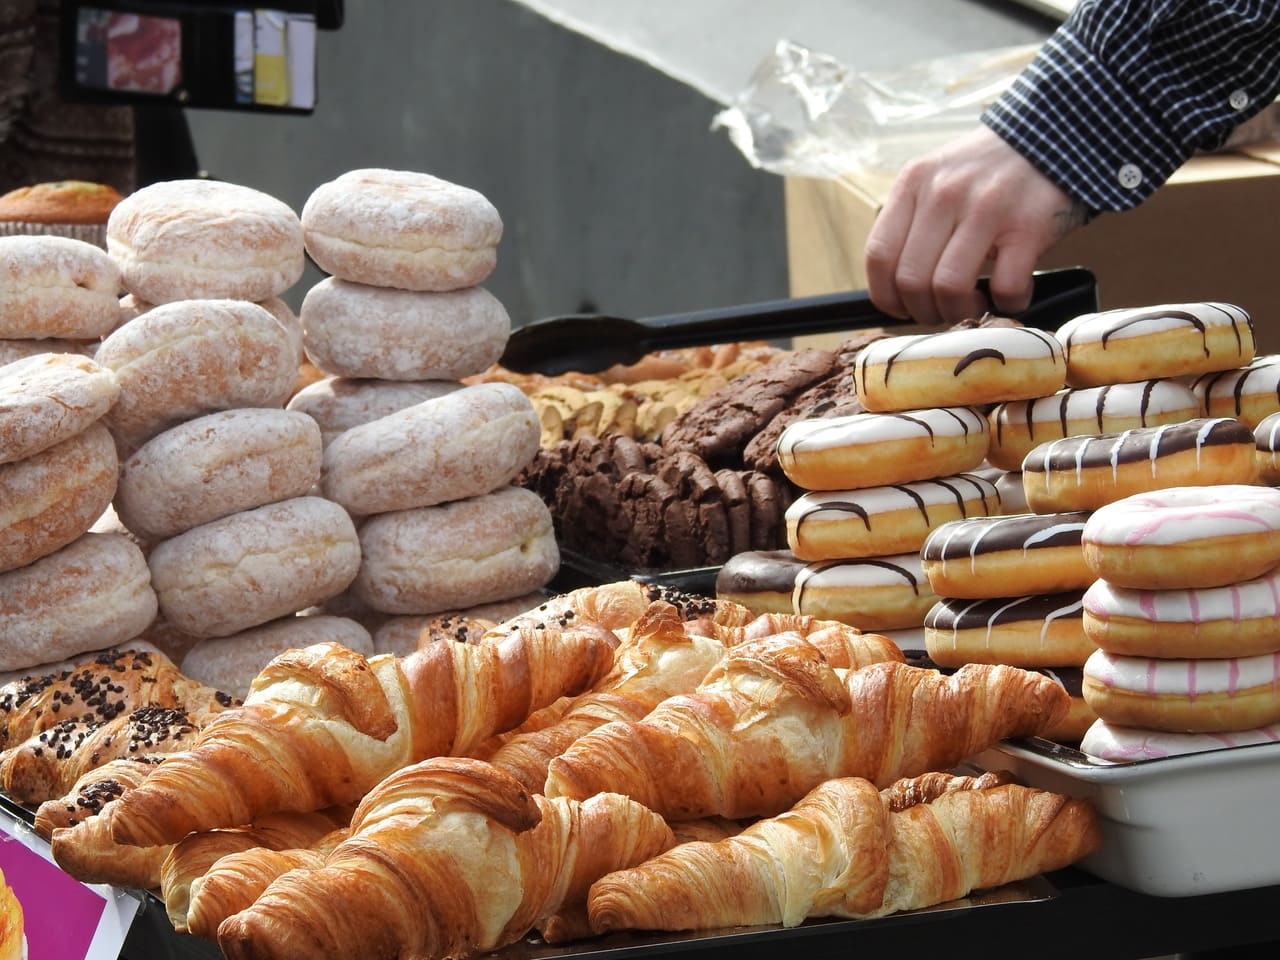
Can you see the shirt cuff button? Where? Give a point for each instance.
(1130, 176)
(1238, 100)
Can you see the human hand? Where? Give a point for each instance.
(948, 213)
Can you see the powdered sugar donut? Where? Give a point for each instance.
(357, 330)
(874, 449)
(1085, 473)
(880, 521)
(1249, 393)
(1117, 744)
(1019, 426)
(401, 229)
(1010, 555)
(1147, 343)
(1233, 620)
(11, 350)
(205, 239)
(1038, 631)
(1198, 536)
(1184, 696)
(1266, 435)
(56, 287)
(958, 368)
(871, 593)
(48, 398)
(339, 403)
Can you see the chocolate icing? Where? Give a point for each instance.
(1137, 445)
(963, 539)
(759, 571)
(952, 614)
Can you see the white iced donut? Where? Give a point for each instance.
(1034, 631)
(1266, 435)
(872, 593)
(1184, 696)
(56, 287)
(1200, 536)
(1019, 426)
(1147, 343)
(1247, 393)
(1117, 744)
(401, 229)
(958, 368)
(880, 521)
(874, 449)
(1234, 620)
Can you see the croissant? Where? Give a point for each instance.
(49, 763)
(102, 689)
(448, 857)
(843, 852)
(322, 725)
(773, 720)
(87, 852)
(193, 856)
(93, 791)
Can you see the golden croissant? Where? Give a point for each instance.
(774, 720)
(447, 858)
(92, 792)
(322, 725)
(843, 851)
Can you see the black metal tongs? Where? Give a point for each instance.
(592, 342)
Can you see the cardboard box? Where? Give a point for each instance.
(1212, 232)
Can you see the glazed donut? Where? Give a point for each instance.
(356, 330)
(1010, 555)
(1233, 620)
(205, 239)
(880, 521)
(338, 403)
(760, 580)
(466, 443)
(457, 555)
(1184, 696)
(1035, 631)
(254, 566)
(50, 499)
(1185, 537)
(1148, 343)
(1116, 744)
(1249, 393)
(48, 398)
(1085, 473)
(401, 229)
(230, 664)
(181, 360)
(1266, 434)
(872, 593)
(1019, 426)
(92, 594)
(875, 449)
(958, 368)
(56, 287)
(217, 465)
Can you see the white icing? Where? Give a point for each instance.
(1093, 327)
(1041, 457)
(871, 428)
(1217, 392)
(1022, 343)
(897, 570)
(1119, 402)
(1117, 744)
(817, 505)
(1183, 677)
(1181, 514)
(1266, 432)
(1249, 600)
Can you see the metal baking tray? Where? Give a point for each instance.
(1174, 826)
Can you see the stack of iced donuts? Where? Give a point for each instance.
(1184, 613)
(1250, 394)
(877, 483)
(425, 463)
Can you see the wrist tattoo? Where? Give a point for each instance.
(1065, 221)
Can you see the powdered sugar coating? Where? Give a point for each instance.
(339, 403)
(49, 397)
(56, 287)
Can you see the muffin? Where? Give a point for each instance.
(62, 208)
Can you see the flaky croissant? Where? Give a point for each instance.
(843, 852)
(773, 721)
(447, 858)
(322, 725)
(92, 792)
(88, 853)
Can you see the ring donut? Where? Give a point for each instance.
(1266, 436)
(1197, 536)
(874, 449)
(871, 593)
(958, 368)
(1019, 426)
(1085, 473)
(1184, 696)
(1249, 393)
(1234, 620)
(763, 581)
(1008, 555)
(1117, 744)
(1148, 343)
(1039, 631)
(880, 521)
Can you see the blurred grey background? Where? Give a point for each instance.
(588, 124)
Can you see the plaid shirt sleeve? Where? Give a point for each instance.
(1126, 90)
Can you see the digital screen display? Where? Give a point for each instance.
(128, 51)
